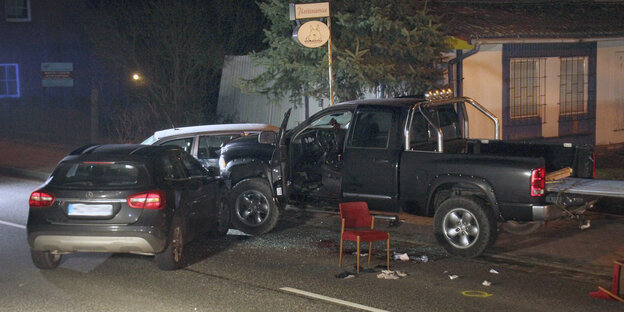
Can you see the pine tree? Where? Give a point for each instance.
(392, 46)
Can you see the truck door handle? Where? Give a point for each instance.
(381, 160)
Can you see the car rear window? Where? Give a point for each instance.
(99, 175)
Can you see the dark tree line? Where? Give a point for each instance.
(177, 47)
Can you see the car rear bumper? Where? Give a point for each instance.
(553, 212)
(114, 239)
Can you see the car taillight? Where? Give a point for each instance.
(40, 199)
(538, 182)
(148, 200)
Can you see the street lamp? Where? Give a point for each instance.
(136, 77)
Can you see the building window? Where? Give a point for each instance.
(526, 87)
(573, 86)
(9, 81)
(17, 10)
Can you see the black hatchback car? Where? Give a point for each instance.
(124, 198)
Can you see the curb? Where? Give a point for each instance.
(24, 173)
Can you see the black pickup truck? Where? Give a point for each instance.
(404, 155)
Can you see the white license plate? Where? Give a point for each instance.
(93, 210)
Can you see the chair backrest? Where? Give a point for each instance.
(356, 214)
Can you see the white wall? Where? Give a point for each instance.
(610, 93)
(253, 107)
(482, 82)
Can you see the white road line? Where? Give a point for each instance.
(330, 299)
(13, 224)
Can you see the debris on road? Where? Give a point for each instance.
(402, 257)
(406, 257)
(453, 276)
(387, 274)
(423, 259)
(493, 271)
(486, 283)
(345, 275)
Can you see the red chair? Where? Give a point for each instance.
(359, 226)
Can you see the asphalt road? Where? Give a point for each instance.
(286, 270)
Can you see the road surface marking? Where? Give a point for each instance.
(476, 293)
(330, 299)
(13, 224)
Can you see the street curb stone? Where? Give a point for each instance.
(30, 174)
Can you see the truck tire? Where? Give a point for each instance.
(464, 226)
(254, 211)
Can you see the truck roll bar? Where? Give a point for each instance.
(440, 133)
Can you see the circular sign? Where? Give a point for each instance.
(312, 34)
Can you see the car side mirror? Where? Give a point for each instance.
(267, 137)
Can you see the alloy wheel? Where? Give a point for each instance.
(461, 228)
(252, 207)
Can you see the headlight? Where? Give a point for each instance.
(221, 163)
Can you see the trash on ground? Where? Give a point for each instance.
(387, 274)
(453, 276)
(402, 257)
(345, 275)
(486, 283)
(422, 258)
(493, 271)
(361, 254)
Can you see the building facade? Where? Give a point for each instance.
(52, 87)
(550, 71)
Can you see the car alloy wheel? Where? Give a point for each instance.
(252, 207)
(461, 228)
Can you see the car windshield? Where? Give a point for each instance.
(99, 175)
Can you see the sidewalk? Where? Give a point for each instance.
(31, 160)
(560, 246)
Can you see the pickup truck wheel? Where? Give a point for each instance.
(254, 211)
(464, 226)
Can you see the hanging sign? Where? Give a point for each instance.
(309, 10)
(312, 34)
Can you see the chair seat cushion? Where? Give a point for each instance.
(367, 235)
